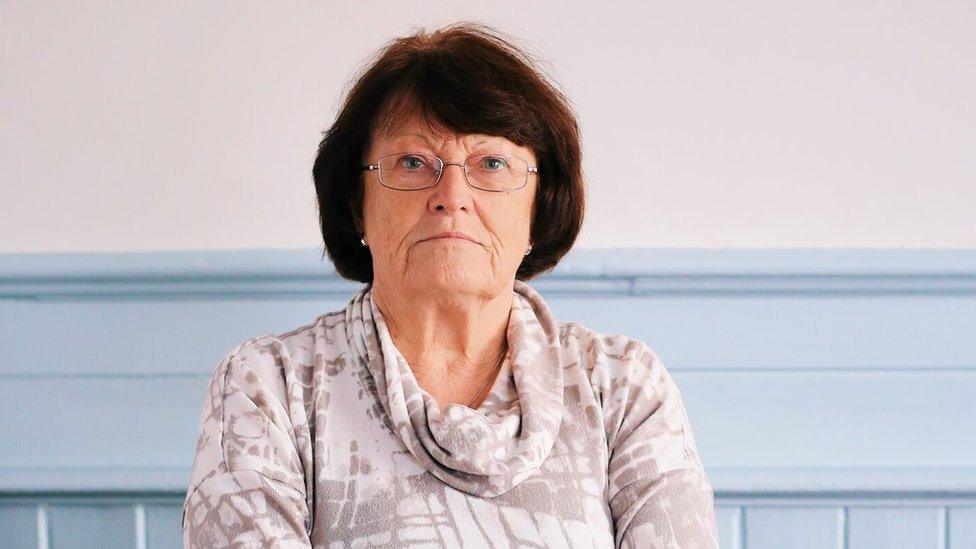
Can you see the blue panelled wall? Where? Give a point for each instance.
(832, 392)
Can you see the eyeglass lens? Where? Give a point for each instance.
(490, 172)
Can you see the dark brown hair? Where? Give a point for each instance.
(465, 78)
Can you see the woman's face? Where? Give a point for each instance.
(399, 224)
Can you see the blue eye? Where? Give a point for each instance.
(412, 162)
(495, 163)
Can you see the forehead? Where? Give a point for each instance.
(468, 140)
(414, 131)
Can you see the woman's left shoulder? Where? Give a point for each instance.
(613, 359)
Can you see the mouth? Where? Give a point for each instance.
(450, 238)
(453, 236)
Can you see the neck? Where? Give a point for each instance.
(449, 340)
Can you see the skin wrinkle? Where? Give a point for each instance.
(447, 308)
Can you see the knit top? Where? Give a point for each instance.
(322, 436)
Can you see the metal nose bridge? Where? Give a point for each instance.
(463, 170)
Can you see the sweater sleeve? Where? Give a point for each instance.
(658, 492)
(248, 485)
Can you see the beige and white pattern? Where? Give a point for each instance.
(322, 437)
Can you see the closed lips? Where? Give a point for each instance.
(452, 235)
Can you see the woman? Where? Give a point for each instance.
(444, 404)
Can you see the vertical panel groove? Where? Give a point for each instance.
(140, 512)
(945, 527)
(43, 541)
(845, 533)
(740, 516)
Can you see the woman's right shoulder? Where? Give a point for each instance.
(268, 354)
(252, 438)
(256, 391)
(273, 358)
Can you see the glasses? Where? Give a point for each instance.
(412, 171)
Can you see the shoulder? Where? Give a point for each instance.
(272, 360)
(252, 432)
(234, 369)
(263, 378)
(276, 355)
(639, 401)
(246, 368)
(613, 360)
(252, 418)
(256, 355)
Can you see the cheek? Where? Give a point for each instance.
(526, 215)
(393, 222)
(516, 223)
(375, 220)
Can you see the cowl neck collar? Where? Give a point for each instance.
(483, 452)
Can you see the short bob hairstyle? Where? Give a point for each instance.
(463, 78)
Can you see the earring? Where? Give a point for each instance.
(363, 240)
(528, 250)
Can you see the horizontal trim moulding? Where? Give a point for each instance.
(303, 273)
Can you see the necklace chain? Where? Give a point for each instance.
(500, 360)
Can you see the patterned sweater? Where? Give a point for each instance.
(322, 436)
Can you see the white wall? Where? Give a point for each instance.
(189, 125)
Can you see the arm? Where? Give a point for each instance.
(659, 494)
(248, 482)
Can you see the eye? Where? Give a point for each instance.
(494, 163)
(413, 162)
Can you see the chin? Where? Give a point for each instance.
(461, 279)
(451, 276)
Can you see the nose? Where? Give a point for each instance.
(452, 192)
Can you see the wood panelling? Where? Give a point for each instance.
(830, 391)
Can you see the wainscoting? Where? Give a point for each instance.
(832, 392)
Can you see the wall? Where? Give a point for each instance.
(189, 125)
(155, 165)
(830, 391)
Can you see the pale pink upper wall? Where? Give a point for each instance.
(152, 126)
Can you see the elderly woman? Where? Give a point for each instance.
(445, 405)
